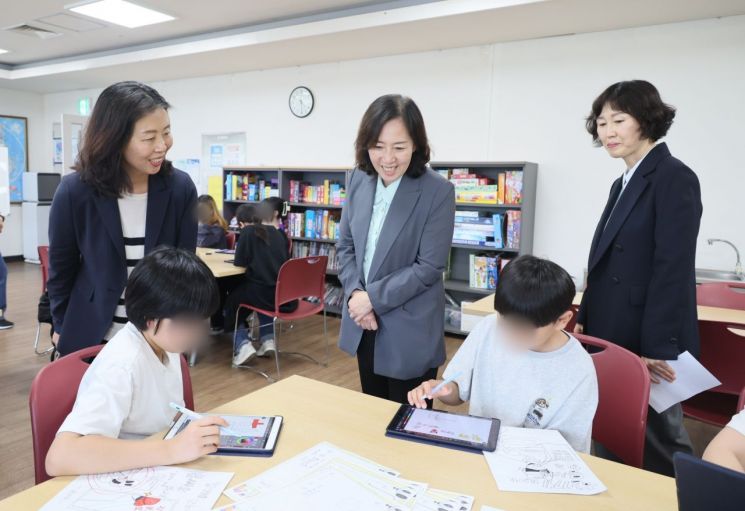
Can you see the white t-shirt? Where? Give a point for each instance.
(133, 214)
(546, 390)
(126, 391)
(738, 422)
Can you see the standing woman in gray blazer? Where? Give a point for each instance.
(395, 235)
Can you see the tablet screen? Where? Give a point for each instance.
(254, 431)
(465, 430)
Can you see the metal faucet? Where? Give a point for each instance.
(738, 264)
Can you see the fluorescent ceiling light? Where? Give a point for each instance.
(3, 51)
(121, 12)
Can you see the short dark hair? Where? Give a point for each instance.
(534, 290)
(108, 131)
(270, 205)
(248, 214)
(168, 283)
(382, 110)
(641, 100)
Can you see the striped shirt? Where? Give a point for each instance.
(132, 211)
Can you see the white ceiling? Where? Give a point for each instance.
(227, 36)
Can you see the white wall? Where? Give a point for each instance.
(515, 101)
(31, 105)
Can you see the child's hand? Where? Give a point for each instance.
(199, 438)
(418, 396)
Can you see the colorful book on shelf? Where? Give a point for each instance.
(314, 224)
(329, 193)
(513, 218)
(483, 271)
(485, 194)
(472, 229)
(513, 187)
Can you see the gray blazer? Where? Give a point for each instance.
(405, 279)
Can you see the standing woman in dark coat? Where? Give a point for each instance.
(124, 199)
(641, 282)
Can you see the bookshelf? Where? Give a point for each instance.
(285, 182)
(457, 283)
(282, 182)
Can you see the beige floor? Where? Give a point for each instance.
(215, 382)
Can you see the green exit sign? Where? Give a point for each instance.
(84, 106)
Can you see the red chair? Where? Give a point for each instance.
(300, 278)
(623, 400)
(723, 354)
(741, 401)
(44, 261)
(727, 295)
(53, 393)
(230, 239)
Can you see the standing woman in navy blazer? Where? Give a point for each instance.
(124, 199)
(395, 234)
(641, 282)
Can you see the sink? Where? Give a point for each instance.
(705, 275)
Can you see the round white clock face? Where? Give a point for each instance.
(301, 101)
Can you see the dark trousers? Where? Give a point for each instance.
(665, 436)
(384, 387)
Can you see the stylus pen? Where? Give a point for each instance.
(196, 416)
(441, 385)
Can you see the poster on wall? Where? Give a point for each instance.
(223, 150)
(191, 167)
(14, 136)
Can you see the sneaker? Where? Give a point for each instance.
(245, 353)
(267, 348)
(5, 324)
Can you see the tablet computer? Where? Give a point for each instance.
(258, 434)
(465, 432)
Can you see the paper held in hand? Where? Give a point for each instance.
(691, 378)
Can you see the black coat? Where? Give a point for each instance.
(641, 282)
(87, 265)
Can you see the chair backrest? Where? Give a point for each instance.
(741, 401)
(44, 260)
(572, 322)
(623, 398)
(723, 354)
(53, 394)
(301, 278)
(729, 295)
(230, 240)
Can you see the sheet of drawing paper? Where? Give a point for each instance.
(539, 461)
(299, 466)
(154, 489)
(441, 500)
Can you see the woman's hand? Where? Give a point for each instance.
(659, 369)
(368, 322)
(359, 305)
(199, 438)
(579, 329)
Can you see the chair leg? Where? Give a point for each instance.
(276, 345)
(325, 338)
(36, 342)
(193, 358)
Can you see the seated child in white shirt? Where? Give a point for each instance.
(124, 395)
(521, 366)
(728, 447)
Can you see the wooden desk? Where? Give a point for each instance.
(485, 306)
(217, 263)
(315, 412)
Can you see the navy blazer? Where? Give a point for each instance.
(405, 279)
(87, 266)
(641, 282)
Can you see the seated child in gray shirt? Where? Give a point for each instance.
(520, 366)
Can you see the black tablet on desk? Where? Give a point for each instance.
(254, 435)
(446, 429)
